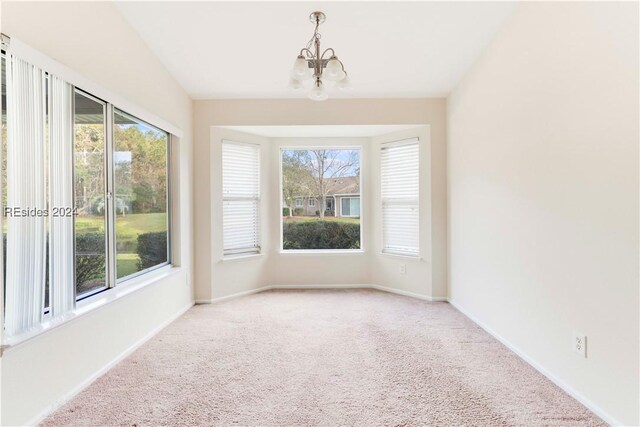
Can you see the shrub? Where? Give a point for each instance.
(127, 241)
(152, 249)
(286, 211)
(298, 211)
(90, 258)
(89, 262)
(321, 235)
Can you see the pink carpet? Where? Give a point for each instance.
(323, 358)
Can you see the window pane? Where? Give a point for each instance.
(140, 169)
(346, 206)
(89, 187)
(355, 207)
(400, 228)
(331, 176)
(241, 198)
(240, 225)
(399, 190)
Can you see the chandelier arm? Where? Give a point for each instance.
(333, 52)
(308, 52)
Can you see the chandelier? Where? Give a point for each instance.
(312, 65)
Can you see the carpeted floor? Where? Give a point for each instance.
(323, 358)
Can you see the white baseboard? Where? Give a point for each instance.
(76, 390)
(408, 294)
(337, 286)
(344, 286)
(540, 368)
(232, 296)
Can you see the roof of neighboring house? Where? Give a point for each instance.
(344, 185)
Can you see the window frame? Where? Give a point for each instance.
(414, 140)
(111, 198)
(111, 254)
(312, 199)
(299, 202)
(90, 293)
(91, 300)
(243, 252)
(363, 172)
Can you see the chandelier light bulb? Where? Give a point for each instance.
(318, 93)
(300, 66)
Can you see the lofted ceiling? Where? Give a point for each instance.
(246, 49)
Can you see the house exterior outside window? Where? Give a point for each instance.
(344, 191)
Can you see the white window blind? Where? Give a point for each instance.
(61, 244)
(399, 174)
(26, 189)
(240, 198)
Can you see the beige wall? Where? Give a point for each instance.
(543, 188)
(352, 269)
(94, 40)
(421, 275)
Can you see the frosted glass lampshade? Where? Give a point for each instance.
(318, 93)
(300, 67)
(333, 69)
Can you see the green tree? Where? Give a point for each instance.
(296, 179)
(325, 165)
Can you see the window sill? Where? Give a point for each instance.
(233, 258)
(407, 257)
(313, 252)
(92, 303)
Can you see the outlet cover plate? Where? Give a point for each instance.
(580, 343)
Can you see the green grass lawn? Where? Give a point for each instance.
(127, 224)
(128, 228)
(126, 264)
(326, 218)
(132, 224)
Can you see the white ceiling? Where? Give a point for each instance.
(325, 131)
(246, 49)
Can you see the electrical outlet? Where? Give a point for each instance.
(580, 343)
(403, 268)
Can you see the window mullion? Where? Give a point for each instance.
(110, 198)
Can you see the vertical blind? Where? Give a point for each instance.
(26, 179)
(399, 174)
(61, 241)
(240, 198)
